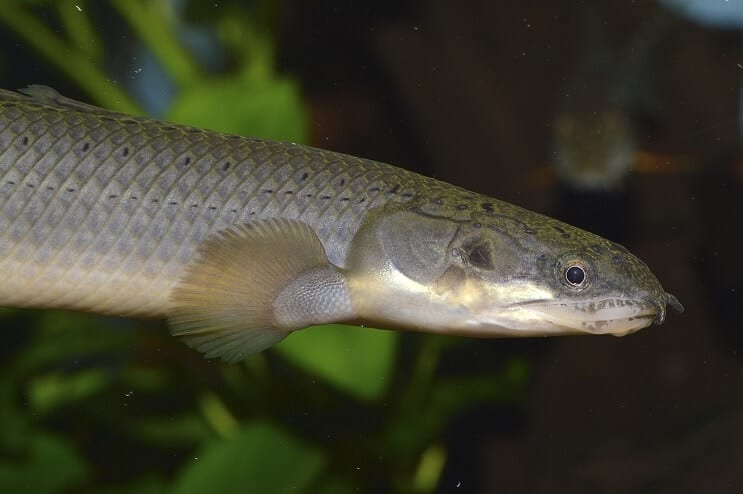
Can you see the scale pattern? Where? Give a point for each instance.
(101, 211)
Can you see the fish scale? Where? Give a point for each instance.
(98, 208)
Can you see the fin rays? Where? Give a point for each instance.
(224, 301)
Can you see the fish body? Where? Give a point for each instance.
(239, 241)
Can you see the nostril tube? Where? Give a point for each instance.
(674, 303)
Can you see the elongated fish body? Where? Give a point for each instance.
(240, 241)
(101, 212)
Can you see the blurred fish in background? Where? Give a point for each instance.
(595, 126)
(606, 111)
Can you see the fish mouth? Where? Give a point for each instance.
(616, 316)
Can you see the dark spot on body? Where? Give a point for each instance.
(304, 177)
(288, 192)
(70, 189)
(49, 188)
(86, 147)
(326, 197)
(186, 161)
(268, 191)
(233, 210)
(488, 207)
(133, 198)
(24, 141)
(342, 182)
(155, 201)
(252, 213)
(345, 199)
(113, 196)
(173, 203)
(226, 166)
(374, 189)
(212, 208)
(363, 199)
(30, 186)
(194, 205)
(393, 190)
(407, 195)
(10, 182)
(125, 152)
(479, 256)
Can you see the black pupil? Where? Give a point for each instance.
(575, 275)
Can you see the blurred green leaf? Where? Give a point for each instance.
(412, 431)
(143, 379)
(50, 465)
(154, 23)
(188, 428)
(14, 426)
(66, 58)
(259, 107)
(334, 485)
(215, 412)
(6, 312)
(65, 336)
(50, 391)
(73, 14)
(430, 467)
(150, 485)
(357, 360)
(30, 2)
(261, 458)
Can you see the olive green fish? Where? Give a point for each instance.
(240, 241)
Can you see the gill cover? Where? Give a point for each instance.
(408, 269)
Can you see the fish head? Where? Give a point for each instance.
(516, 274)
(593, 286)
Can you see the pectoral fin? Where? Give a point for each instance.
(253, 284)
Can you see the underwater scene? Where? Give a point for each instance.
(621, 118)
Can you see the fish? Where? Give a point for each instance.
(238, 241)
(608, 104)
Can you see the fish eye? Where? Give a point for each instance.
(575, 275)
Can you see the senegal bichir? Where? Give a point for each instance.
(240, 241)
